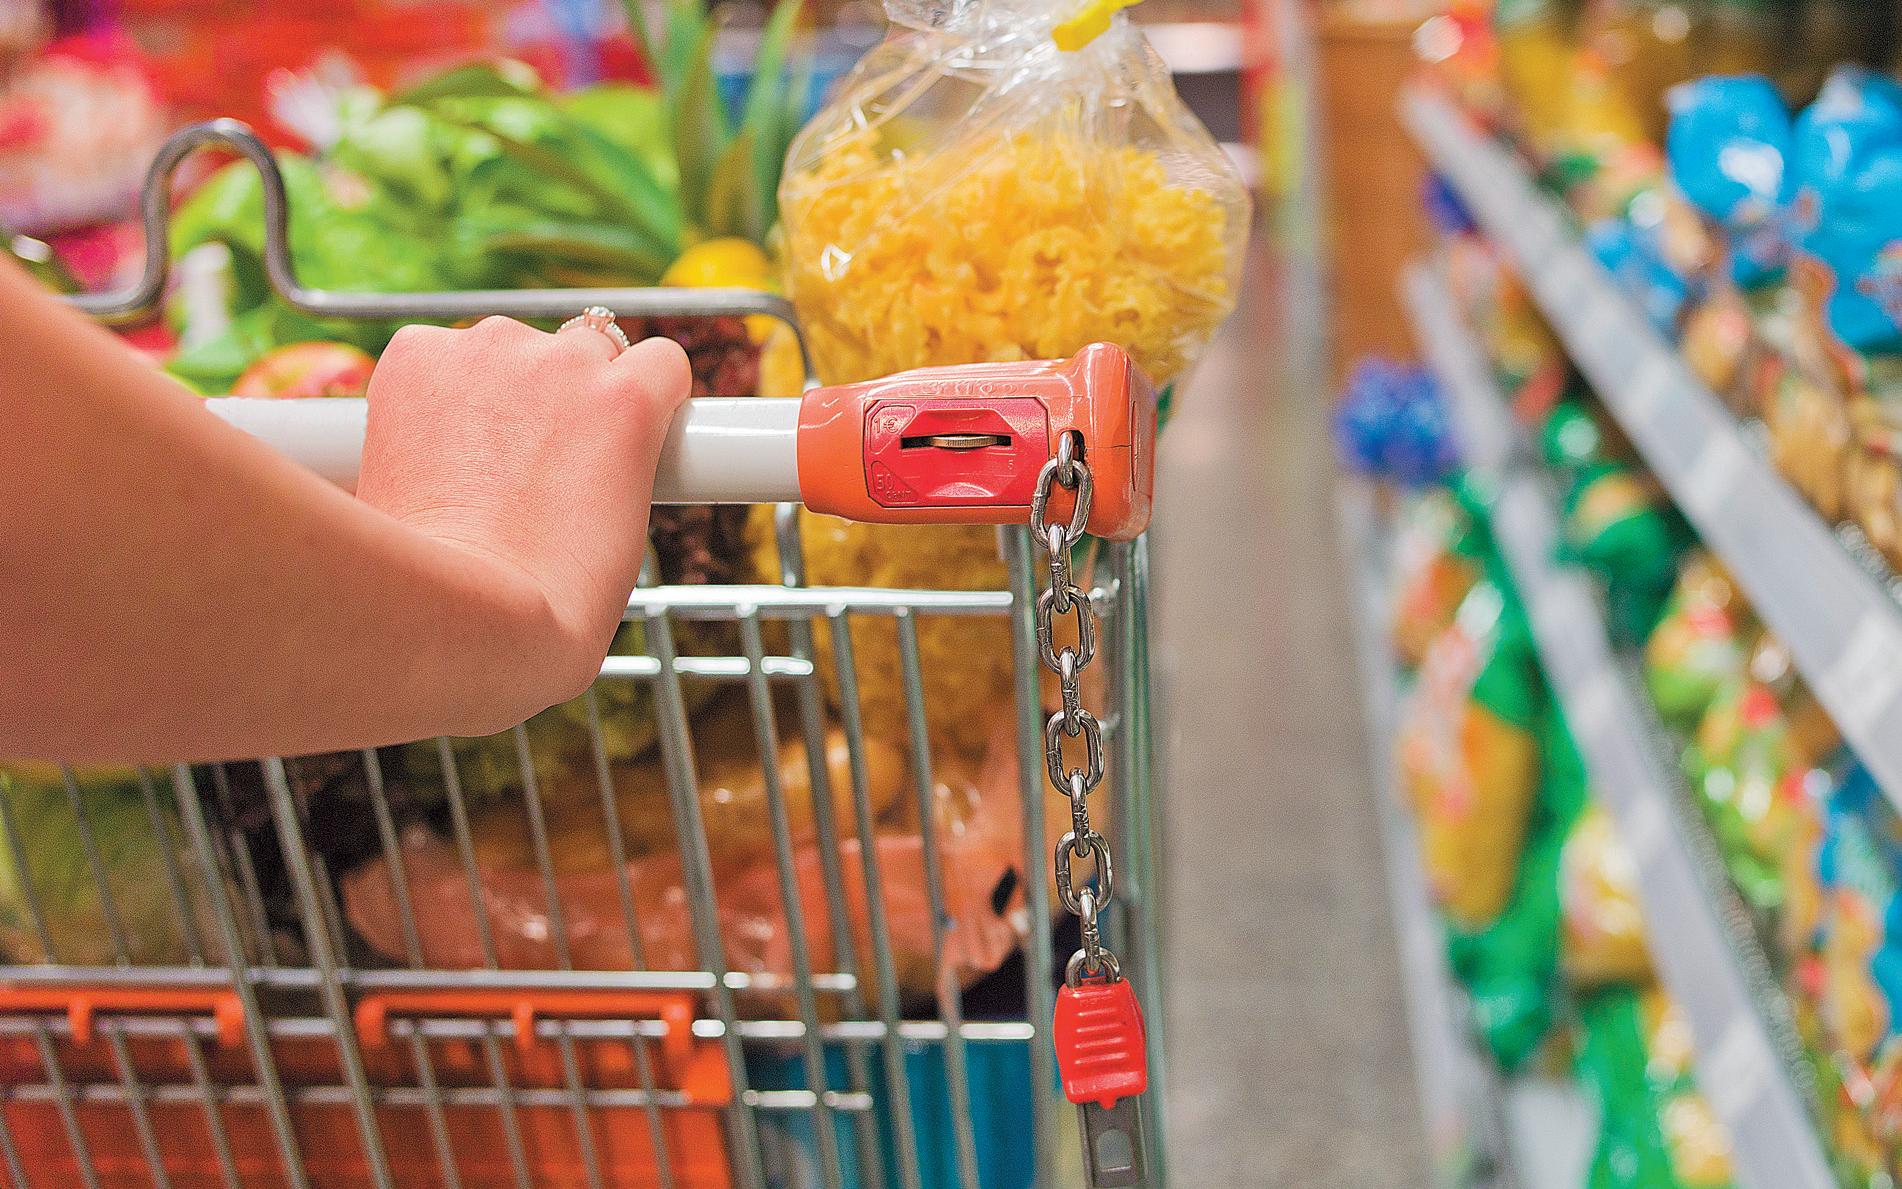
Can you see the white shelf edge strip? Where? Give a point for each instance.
(1461, 1094)
(1841, 626)
(1772, 1134)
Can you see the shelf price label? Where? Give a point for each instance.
(1738, 1069)
(1863, 683)
(1645, 825)
(1712, 478)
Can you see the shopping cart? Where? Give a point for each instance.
(269, 1044)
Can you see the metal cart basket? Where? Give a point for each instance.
(267, 1042)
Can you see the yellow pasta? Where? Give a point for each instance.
(999, 247)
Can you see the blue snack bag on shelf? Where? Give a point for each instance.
(1847, 162)
(1446, 211)
(1860, 871)
(1729, 147)
(1635, 258)
(1392, 423)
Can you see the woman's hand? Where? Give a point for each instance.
(173, 590)
(532, 451)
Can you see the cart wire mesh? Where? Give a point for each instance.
(206, 1010)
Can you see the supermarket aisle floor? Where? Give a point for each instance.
(1289, 1062)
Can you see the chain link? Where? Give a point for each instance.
(1068, 471)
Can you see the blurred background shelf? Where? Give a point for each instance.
(1485, 1130)
(1700, 941)
(1841, 623)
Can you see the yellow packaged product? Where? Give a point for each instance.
(1695, 1141)
(997, 180)
(1537, 40)
(1648, 45)
(1603, 939)
(1469, 756)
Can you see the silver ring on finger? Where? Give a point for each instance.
(602, 319)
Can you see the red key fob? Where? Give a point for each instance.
(1101, 1056)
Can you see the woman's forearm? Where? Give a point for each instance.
(171, 589)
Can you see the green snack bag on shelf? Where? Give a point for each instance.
(1511, 968)
(1616, 526)
(1698, 646)
(1751, 782)
(1468, 754)
(1571, 438)
(1655, 1130)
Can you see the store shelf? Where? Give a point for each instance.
(1462, 1098)
(1484, 1130)
(1841, 624)
(1700, 943)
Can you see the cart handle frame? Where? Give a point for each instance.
(139, 301)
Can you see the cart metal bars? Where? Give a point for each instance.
(298, 971)
(142, 299)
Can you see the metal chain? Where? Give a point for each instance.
(1068, 471)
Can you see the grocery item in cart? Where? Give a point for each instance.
(1604, 937)
(732, 792)
(78, 126)
(304, 370)
(1469, 754)
(992, 183)
(94, 871)
(979, 835)
(984, 187)
(1700, 642)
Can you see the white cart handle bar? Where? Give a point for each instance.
(947, 445)
(719, 450)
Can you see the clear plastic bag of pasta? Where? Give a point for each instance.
(997, 180)
(1009, 179)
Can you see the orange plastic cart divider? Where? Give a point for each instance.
(186, 1116)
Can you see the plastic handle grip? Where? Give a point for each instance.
(718, 451)
(963, 445)
(948, 445)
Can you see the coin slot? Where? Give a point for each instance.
(954, 441)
